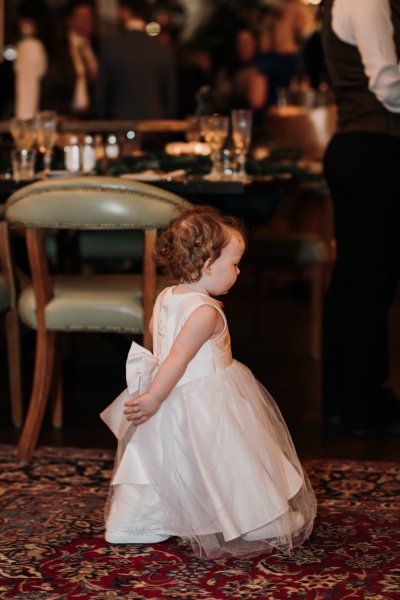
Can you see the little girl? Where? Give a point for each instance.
(207, 455)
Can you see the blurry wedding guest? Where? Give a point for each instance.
(281, 60)
(137, 77)
(361, 166)
(68, 86)
(241, 84)
(33, 47)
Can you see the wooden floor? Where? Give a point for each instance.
(273, 343)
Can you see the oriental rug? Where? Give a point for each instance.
(52, 546)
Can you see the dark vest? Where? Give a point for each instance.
(358, 108)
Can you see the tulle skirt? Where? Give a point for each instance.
(216, 466)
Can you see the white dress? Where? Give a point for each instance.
(216, 461)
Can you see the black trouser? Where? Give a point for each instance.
(363, 173)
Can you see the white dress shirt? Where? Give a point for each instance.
(367, 24)
(29, 67)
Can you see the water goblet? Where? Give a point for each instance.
(242, 121)
(46, 136)
(214, 129)
(24, 132)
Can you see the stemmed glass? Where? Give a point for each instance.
(214, 130)
(242, 122)
(24, 133)
(46, 136)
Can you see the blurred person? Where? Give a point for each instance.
(73, 66)
(361, 166)
(137, 77)
(33, 47)
(281, 59)
(241, 84)
(80, 29)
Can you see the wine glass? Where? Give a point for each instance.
(46, 136)
(214, 130)
(24, 132)
(242, 122)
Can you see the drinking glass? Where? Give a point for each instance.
(214, 130)
(46, 136)
(23, 164)
(24, 132)
(242, 122)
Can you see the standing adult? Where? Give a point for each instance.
(136, 71)
(362, 49)
(69, 83)
(281, 59)
(240, 84)
(33, 47)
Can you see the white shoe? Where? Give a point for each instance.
(275, 529)
(134, 538)
(297, 521)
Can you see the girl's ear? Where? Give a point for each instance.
(207, 266)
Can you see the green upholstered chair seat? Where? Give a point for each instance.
(287, 248)
(4, 295)
(111, 303)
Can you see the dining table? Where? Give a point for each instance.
(253, 198)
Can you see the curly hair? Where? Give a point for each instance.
(197, 235)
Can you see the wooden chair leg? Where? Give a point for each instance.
(57, 393)
(14, 365)
(44, 362)
(317, 292)
(64, 350)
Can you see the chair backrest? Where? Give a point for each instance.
(90, 203)
(306, 127)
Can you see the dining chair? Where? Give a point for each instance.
(8, 307)
(77, 302)
(309, 128)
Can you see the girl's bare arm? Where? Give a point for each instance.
(199, 327)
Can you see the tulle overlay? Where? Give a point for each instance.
(216, 466)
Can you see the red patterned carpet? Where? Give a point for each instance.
(52, 539)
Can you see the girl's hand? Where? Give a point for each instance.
(140, 409)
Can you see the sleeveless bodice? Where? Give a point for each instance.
(170, 315)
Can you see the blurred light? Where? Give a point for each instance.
(131, 135)
(153, 28)
(187, 148)
(10, 53)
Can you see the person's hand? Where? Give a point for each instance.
(140, 409)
